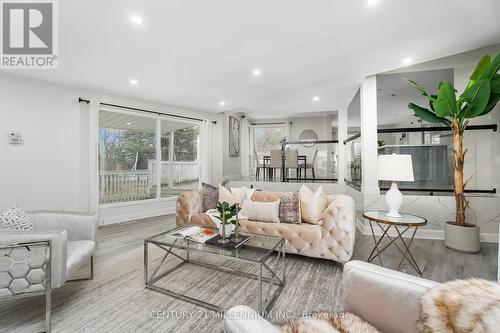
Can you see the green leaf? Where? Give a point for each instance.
(434, 97)
(492, 69)
(495, 86)
(480, 67)
(427, 115)
(446, 103)
(494, 99)
(477, 97)
(420, 88)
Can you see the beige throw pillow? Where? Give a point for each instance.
(231, 198)
(312, 205)
(261, 211)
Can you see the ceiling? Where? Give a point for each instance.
(394, 94)
(197, 53)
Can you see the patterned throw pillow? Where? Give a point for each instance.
(15, 219)
(211, 194)
(290, 208)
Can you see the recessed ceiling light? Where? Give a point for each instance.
(407, 61)
(129, 123)
(134, 82)
(373, 2)
(222, 103)
(316, 99)
(256, 72)
(136, 19)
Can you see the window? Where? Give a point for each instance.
(128, 151)
(179, 157)
(267, 138)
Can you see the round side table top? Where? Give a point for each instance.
(407, 220)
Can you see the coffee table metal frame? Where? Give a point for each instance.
(264, 303)
(395, 223)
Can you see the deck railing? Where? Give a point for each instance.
(120, 186)
(181, 172)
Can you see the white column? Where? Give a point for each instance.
(369, 135)
(342, 135)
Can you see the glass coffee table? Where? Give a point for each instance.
(258, 251)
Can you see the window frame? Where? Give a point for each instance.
(159, 117)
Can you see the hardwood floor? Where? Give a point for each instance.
(116, 301)
(437, 262)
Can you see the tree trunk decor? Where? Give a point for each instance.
(478, 98)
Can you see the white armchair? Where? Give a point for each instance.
(387, 299)
(73, 241)
(33, 262)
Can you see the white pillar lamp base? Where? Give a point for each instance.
(394, 199)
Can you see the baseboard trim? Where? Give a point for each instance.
(137, 216)
(485, 237)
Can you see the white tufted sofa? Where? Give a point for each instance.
(333, 239)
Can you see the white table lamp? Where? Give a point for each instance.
(395, 168)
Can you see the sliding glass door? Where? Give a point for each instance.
(180, 168)
(130, 146)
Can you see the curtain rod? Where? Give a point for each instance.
(81, 100)
(257, 124)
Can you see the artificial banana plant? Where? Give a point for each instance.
(478, 98)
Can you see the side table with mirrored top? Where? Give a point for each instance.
(401, 225)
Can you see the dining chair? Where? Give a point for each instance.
(311, 165)
(258, 165)
(276, 162)
(291, 161)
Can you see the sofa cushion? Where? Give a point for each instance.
(290, 208)
(312, 204)
(231, 198)
(289, 204)
(210, 194)
(261, 211)
(79, 252)
(202, 219)
(15, 219)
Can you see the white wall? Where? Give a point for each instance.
(51, 169)
(321, 125)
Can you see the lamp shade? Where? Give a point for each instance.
(395, 167)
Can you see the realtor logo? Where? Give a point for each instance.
(29, 34)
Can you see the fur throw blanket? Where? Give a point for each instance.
(343, 322)
(461, 306)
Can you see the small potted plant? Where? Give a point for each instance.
(479, 97)
(226, 214)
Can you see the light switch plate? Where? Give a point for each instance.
(15, 138)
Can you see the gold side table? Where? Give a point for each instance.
(406, 222)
